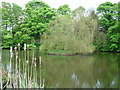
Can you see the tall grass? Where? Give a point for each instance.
(23, 70)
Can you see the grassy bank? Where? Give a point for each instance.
(62, 52)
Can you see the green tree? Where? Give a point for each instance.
(6, 15)
(37, 16)
(107, 21)
(10, 18)
(106, 13)
(64, 10)
(69, 34)
(114, 38)
(77, 12)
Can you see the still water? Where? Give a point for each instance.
(98, 70)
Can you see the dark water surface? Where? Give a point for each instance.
(98, 70)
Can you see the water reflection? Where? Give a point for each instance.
(99, 70)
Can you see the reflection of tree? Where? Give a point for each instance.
(75, 79)
(81, 71)
(107, 67)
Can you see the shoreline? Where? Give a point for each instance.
(65, 53)
(73, 54)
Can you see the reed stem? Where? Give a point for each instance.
(28, 69)
(11, 57)
(1, 83)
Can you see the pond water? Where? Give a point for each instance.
(98, 70)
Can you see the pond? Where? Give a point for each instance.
(98, 70)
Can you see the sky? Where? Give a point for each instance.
(87, 4)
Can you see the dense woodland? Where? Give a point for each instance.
(80, 30)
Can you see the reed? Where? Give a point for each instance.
(41, 85)
(11, 57)
(9, 79)
(18, 46)
(1, 78)
(27, 62)
(23, 70)
(1, 68)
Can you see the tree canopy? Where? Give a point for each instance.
(77, 30)
(108, 25)
(70, 34)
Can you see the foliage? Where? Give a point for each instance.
(69, 34)
(114, 38)
(108, 25)
(61, 29)
(77, 12)
(64, 10)
(100, 41)
(10, 18)
(10, 15)
(28, 24)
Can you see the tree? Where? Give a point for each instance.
(106, 15)
(10, 18)
(17, 13)
(37, 16)
(69, 34)
(77, 12)
(114, 38)
(6, 15)
(107, 21)
(64, 10)
(25, 26)
(10, 15)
